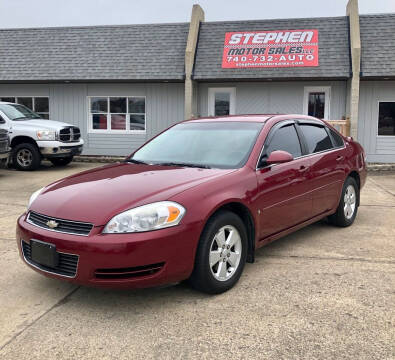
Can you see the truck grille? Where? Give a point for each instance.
(4, 141)
(67, 262)
(70, 134)
(63, 226)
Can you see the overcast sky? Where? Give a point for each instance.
(38, 13)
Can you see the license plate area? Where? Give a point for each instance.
(44, 253)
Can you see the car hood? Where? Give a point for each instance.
(40, 124)
(97, 195)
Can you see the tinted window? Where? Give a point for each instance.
(386, 118)
(337, 139)
(317, 138)
(285, 139)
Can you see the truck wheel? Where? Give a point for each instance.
(26, 157)
(61, 161)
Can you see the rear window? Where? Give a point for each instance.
(317, 138)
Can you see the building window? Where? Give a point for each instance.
(386, 120)
(221, 101)
(39, 104)
(316, 101)
(117, 114)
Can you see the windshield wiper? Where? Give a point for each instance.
(184, 165)
(133, 161)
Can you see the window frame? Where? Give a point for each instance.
(127, 131)
(269, 138)
(302, 139)
(211, 99)
(33, 103)
(326, 90)
(377, 119)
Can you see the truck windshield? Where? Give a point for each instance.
(18, 112)
(223, 145)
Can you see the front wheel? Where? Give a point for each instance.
(348, 206)
(221, 254)
(61, 161)
(26, 157)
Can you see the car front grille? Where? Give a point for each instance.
(67, 262)
(70, 134)
(127, 273)
(59, 225)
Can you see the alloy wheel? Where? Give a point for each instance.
(349, 202)
(225, 253)
(24, 157)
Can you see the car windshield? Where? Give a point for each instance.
(224, 145)
(18, 112)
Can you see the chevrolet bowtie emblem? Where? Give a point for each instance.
(52, 224)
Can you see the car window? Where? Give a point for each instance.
(222, 144)
(286, 139)
(316, 137)
(337, 139)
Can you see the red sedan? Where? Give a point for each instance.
(193, 203)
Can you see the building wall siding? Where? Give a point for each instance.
(69, 103)
(275, 97)
(377, 148)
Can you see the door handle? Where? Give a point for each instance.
(303, 168)
(339, 158)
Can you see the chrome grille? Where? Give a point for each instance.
(4, 140)
(70, 134)
(67, 262)
(63, 226)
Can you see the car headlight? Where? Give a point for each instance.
(34, 196)
(149, 217)
(46, 135)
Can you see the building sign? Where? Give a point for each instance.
(285, 48)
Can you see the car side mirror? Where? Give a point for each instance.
(2, 121)
(279, 157)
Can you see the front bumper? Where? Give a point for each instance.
(4, 158)
(5, 154)
(173, 247)
(60, 149)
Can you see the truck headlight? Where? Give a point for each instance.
(46, 135)
(34, 196)
(149, 217)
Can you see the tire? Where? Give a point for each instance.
(61, 161)
(348, 206)
(26, 157)
(219, 278)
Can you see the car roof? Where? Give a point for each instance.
(234, 118)
(253, 118)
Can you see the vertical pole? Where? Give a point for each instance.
(190, 85)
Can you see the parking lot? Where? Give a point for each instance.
(322, 292)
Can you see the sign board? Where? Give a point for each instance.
(270, 49)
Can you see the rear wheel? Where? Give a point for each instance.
(221, 254)
(61, 161)
(348, 205)
(26, 157)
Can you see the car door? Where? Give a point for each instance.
(326, 166)
(283, 196)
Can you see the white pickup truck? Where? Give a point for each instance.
(33, 138)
